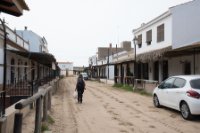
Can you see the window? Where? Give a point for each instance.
(179, 83)
(167, 84)
(195, 83)
(187, 68)
(160, 33)
(140, 41)
(149, 37)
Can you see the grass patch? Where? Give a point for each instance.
(123, 87)
(142, 92)
(130, 88)
(44, 127)
(50, 120)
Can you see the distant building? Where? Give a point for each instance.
(169, 44)
(77, 70)
(101, 64)
(66, 68)
(37, 43)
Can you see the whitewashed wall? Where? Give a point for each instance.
(66, 66)
(167, 21)
(186, 22)
(111, 71)
(34, 40)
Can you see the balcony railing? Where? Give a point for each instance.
(17, 39)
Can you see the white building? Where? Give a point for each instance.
(169, 44)
(66, 68)
(37, 43)
(23, 66)
(102, 65)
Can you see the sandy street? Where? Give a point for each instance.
(108, 110)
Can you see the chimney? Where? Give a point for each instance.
(25, 28)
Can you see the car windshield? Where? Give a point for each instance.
(195, 83)
(84, 74)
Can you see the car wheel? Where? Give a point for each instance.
(156, 101)
(185, 111)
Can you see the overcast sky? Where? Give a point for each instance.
(74, 29)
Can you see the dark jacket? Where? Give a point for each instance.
(80, 85)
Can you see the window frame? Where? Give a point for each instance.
(161, 33)
(149, 37)
(139, 41)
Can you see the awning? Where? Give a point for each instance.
(42, 58)
(187, 50)
(13, 7)
(153, 55)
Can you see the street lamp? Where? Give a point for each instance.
(108, 63)
(135, 41)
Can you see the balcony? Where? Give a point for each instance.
(14, 40)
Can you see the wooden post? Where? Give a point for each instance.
(45, 108)
(49, 100)
(38, 116)
(3, 124)
(18, 123)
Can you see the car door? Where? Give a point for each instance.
(175, 93)
(163, 91)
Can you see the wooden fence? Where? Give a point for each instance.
(44, 95)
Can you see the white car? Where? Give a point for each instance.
(85, 76)
(181, 93)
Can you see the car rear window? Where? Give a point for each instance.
(195, 83)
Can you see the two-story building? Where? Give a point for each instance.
(101, 64)
(169, 44)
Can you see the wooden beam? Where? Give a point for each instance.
(6, 3)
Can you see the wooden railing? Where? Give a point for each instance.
(148, 85)
(40, 111)
(125, 80)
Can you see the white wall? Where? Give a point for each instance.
(66, 66)
(185, 24)
(154, 44)
(34, 39)
(111, 72)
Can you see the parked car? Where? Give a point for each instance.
(181, 93)
(85, 76)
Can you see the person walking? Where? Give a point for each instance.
(80, 87)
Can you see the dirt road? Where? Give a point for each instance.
(108, 110)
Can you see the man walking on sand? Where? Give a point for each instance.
(80, 87)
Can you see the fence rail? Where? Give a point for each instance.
(40, 111)
(126, 79)
(148, 85)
